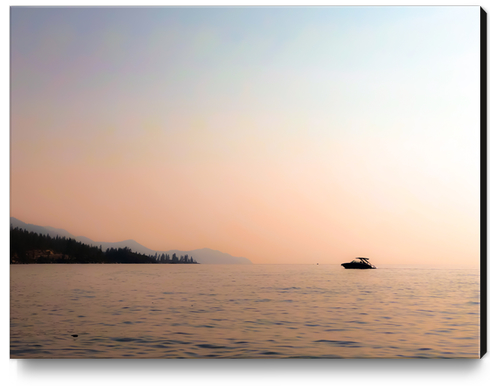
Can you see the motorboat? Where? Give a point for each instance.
(359, 263)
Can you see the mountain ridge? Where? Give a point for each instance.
(202, 255)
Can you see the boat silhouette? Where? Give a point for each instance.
(359, 263)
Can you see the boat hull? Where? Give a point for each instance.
(356, 266)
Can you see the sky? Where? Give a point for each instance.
(283, 135)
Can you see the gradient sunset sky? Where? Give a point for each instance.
(283, 135)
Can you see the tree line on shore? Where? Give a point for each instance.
(34, 248)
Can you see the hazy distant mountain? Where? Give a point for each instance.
(53, 232)
(59, 232)
(133, 245)
(202, 256)
(210, 256)
(86, 240)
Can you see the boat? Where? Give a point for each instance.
(359, 263)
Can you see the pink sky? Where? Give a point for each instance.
(281, 136)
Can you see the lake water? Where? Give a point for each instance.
(243, 311)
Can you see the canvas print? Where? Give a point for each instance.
(245, 182)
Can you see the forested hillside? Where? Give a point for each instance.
(33, 248)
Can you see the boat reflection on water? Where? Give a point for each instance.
(359, 263)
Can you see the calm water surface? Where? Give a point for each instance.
(232, 311)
